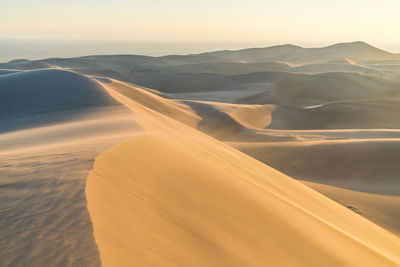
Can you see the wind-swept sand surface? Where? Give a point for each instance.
(43, 218)
(175, 196)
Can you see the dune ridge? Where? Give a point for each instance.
(175, 196)
(53, 123)
(35, 98)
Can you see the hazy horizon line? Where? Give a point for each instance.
(39, 49)
(266, 43)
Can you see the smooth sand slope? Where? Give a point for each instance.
(177, 197)
(369, 114)
(368, 165)
(303, 90)
(43, 166)
(39, 97)
(365, 159)
(381, 209)
(367, 168)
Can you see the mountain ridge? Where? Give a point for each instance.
(222, 54)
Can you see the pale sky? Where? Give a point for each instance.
(283, 21)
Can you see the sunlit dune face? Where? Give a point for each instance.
(226, 212)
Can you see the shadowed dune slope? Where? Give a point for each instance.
(371, 114)
(369, 165)
(56, 122)
(203, 82)
(250, 116)
(221, 120)
(381, 209)
(339, 67)
(305, 90)
(33, 98)
(7, 71)
(231, 121)
(177, 197)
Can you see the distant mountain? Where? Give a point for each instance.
(291, 53)
(273, 53)
(281, 53)
(355, 50)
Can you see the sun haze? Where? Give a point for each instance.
(208, 21)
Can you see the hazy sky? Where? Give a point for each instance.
(283, 21)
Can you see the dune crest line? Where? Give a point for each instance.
(174, 196)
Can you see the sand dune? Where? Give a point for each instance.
(368, 165)
(7, 71)
(231, 121)
(225, 68)
(172, 73)
(222, 120)
(43, 168)
(249, 116)
(230, 95)
(44, 219)
(380, 209)
(369, 114)
(157, 200)
(307, 90)
(35, 98)
(205, 82)
(168, 107)
(175, 196)
(341, 67)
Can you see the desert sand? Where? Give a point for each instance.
(44, 164)
(167, 204)
(381, 209)
(283, 156)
